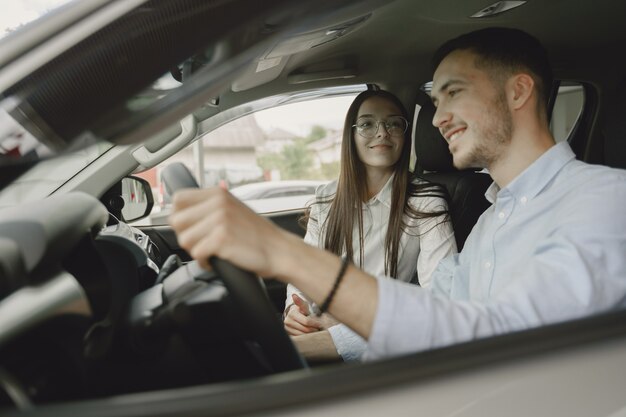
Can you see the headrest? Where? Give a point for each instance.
(614, 126)
(430, 147)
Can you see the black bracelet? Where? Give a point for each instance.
(331, 294)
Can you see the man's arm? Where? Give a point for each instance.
(210, 222)
(317, 347)
(556, 284)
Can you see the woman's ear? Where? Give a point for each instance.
(520, 88)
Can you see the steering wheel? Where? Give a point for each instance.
(258, 316)
(247, 291)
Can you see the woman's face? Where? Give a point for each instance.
(379, 133)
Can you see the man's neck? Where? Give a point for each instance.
(522, 151)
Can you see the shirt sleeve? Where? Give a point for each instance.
(349, 345)
(436, 240)
(577, 271)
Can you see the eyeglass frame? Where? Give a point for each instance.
(378, 122)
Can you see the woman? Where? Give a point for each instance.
(400, 229)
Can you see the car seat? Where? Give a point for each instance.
(177, 176)
(466, 188)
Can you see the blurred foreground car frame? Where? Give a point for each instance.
(77, 281)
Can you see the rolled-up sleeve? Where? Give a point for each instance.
(349, 345)
(567, 278)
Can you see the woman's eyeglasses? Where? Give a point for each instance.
(368, 126)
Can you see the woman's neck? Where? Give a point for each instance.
(376, 180)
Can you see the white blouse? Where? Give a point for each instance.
(423, 244)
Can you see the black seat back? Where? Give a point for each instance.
(613, 127)
(434, 163)
(177, 176)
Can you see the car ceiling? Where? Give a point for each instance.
(399, 38)
(393, 44)
(392, 48)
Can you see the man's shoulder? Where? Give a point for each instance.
(583, 173)
(596, 193)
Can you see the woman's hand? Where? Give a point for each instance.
(298, 319)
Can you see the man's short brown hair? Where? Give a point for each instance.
(504, 51)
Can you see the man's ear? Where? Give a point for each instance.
(520, 88)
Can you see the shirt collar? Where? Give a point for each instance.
(384, 195)
(534, 178)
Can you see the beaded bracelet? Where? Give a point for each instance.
(331, 294)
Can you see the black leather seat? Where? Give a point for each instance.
(613, 128)
(434, 162)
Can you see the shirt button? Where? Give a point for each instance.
(523, 200)
(487, 265)
(501, 215)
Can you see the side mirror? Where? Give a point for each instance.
(138, 199)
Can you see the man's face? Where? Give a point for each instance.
(472, 112)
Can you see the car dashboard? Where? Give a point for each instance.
(87, 287)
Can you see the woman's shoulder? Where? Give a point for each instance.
(326, 190)
(324, 194)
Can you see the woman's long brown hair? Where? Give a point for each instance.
(345, 206)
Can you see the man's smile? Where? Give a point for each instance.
(454, 133)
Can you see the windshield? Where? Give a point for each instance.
(24, 141)
(16, 142)
(49, 174)
(108, 88)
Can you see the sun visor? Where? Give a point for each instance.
(272, 63)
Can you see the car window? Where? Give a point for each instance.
(282, 153)
(290, 192)
(567, 109)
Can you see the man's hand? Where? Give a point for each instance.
(211, 222)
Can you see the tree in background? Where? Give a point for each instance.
(270, 162)
(295, 161)
(298, 161)
(317, 132)
(329, 171)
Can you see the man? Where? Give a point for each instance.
(550, 248)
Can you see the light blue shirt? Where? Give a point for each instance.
(552, 247)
